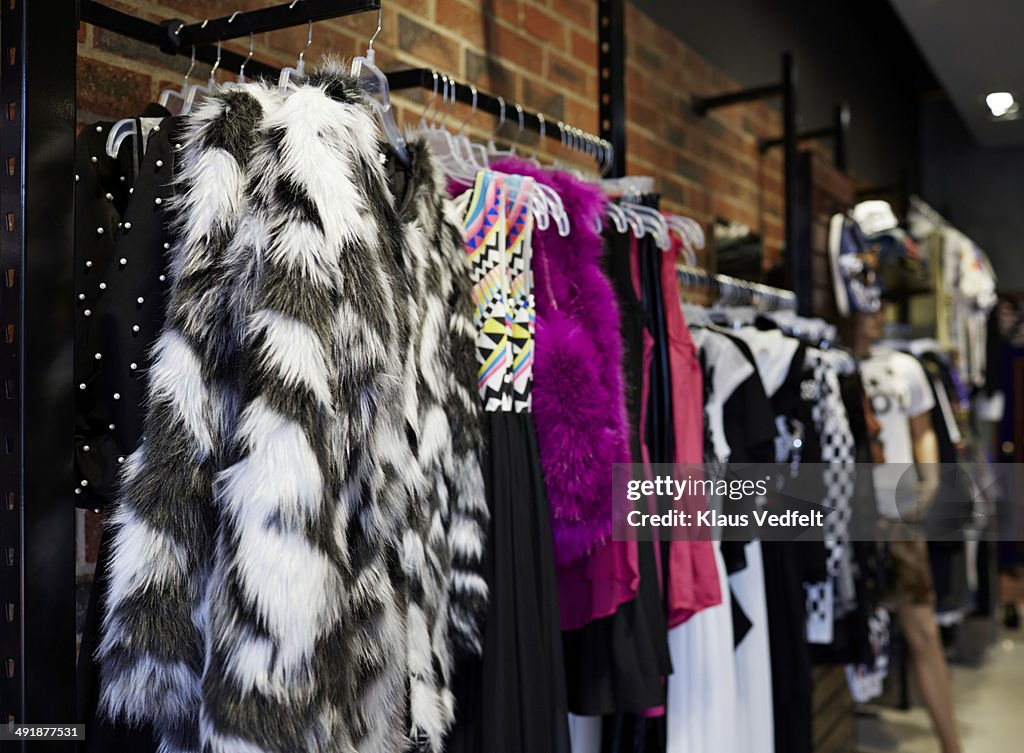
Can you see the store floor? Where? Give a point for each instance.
(988, 709)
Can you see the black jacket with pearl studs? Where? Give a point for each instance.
(121, 247)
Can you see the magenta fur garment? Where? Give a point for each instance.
(578, 396)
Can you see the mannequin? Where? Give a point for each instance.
(917, 613)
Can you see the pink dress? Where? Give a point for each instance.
(693, 576)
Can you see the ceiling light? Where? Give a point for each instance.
(1002, 104)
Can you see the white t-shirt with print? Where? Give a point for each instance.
(899, 390)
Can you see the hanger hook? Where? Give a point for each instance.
(216, 64)
(301, 63)
(561, 133)
(191, 65)
(501, 115)
(429, 102)
(241, 68)
(543, 126)
(444, 102)
(462, 128)
(522, 121)
(380, 16)
(436, 118)
(451, 103)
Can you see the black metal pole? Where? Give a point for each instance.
(162, 36)
(611, 79)
(702, 105)
(257, 21)
(841, 115)
(424, 78)
(814, 134)
(272, 18)
(36, 305)
(797, 259)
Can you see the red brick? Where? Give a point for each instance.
(362, 26)
(110, 91)
(465, 20)
(543, 25)
(580, 115)
(490, 75)
(584, 48)
(564, 72)
(428, 45)
(283, 46)
(581, 12)
(540, 97)
(512, 12)
(517, 49)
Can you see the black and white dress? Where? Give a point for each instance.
(513, 698)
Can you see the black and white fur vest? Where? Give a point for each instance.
(297, 543)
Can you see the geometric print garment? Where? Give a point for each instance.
(484, 233)
(522, 313)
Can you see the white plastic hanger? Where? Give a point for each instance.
(689, 231)
(496, 153)
(443, 144)
(201, 92)
(377, 92)
(121, 130)
(284, 81)
(476, 154)
(543, 134)
(492, 148)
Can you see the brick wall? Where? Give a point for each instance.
(540, 53)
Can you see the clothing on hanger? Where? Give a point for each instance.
(513, 697)
(288, 369)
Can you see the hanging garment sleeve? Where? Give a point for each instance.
(152, 650)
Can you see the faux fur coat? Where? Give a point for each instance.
(579, 403)
(297, 539)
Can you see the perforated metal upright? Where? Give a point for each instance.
(37, 541)
(611, 79)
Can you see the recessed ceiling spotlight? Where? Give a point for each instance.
(1002, 104)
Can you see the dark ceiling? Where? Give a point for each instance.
(974, 48)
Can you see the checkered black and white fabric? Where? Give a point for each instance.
(838, 452)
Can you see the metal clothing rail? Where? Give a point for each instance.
(426, 78)
(176, 37)
(738, 291)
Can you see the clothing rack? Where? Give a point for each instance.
(429, 79)
(738, 292)
(37, 319)
(176, 37)
(37, 310)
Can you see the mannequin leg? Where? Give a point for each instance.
(930, 671)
